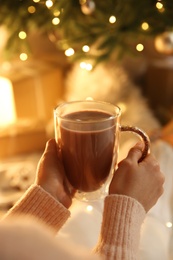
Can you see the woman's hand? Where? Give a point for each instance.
(142, 181)
(51, 176)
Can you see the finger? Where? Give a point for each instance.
(135, 152)
(52, 148)
(50, 153)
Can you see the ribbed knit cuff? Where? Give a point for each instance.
(40, 204)
(120, 230)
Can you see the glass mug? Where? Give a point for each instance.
(87, 133)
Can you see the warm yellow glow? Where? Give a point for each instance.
(169, 224)
(22, 35)
(56, 13)
(89, 98)
(82, 65)
(87, 66)
(85, 48)
(49, 3)
(55, 20)
(112, 19)
(69, 52)
(139, 47)
(31, 9)
(36, 1)
(159, 5)
(23, 56)
(6, 66)
(145, 26)
(122, 106)
(7, 107)
(89, 208)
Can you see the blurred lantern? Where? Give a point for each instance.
(7, 104)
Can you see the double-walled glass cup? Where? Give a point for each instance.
(87, 133)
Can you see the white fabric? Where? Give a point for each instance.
(156, 242)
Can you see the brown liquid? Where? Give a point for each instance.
(87, 153)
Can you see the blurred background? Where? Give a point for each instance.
(117, 51)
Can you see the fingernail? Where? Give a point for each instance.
(139, 145)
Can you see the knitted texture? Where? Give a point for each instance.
(120, 229)
(40, 204)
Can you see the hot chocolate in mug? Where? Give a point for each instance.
(87, 134)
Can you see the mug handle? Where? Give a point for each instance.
(142, 135)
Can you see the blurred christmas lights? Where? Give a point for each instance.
(31, 9)
(69, 52)
(23, 56)
(159, 5)
(49, 3)
(112, 19)
(22, 35)
(145, 26)
(139, 47)
(85, 48)
(54, 17)
(86, 66)
(56, 21)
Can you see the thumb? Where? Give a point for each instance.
(51, 149)
(49, 156)
(50, 146)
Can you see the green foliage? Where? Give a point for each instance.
(77, 28)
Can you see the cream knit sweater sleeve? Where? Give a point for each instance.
(120, 229)
(40, 204)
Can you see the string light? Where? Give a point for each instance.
(87, 66)
(23, 56)
(49, 3)
(69, 52)
(56, 13)
(145, 26)
(22, 35)
(112, 19)
(31, 9)
(85, 48)
(139, 47)
(82, 65)
(160, 7)
(55, 20)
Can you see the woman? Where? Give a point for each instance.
(133, 191)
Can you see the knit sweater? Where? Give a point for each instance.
(120, 229)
